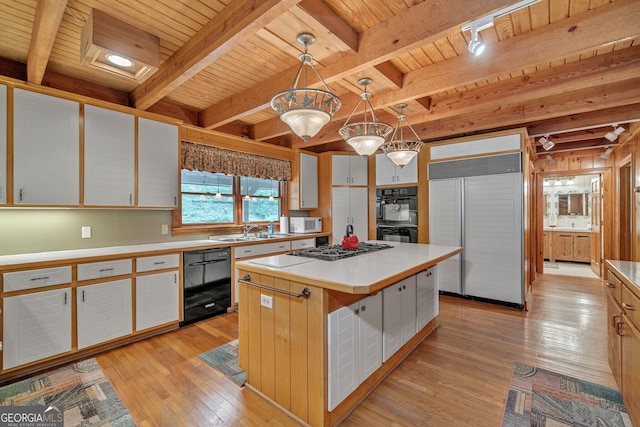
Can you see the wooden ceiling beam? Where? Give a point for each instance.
(578, 121)
(43, 35)
(390, 73)
(234, 24)
(322, 13)
(408, 30)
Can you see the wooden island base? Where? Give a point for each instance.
(284, 348)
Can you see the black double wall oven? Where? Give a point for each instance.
(207, 283)
(397, 214)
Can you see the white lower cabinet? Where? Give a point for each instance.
(354, 346)
(36, 326)
(104, 312)
(157, 299)
(426, 297)
(399, 314)
(349, 207)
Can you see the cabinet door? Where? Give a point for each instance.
(340, 170)
(582, 248)
(343, 353)
(108, 157)
(45, 150)
(408, 174)
(546, 246)
(370, 336)
(385, 170)
(104, 312)
(359, 212)
(308, 181)
(408, 309)
(158, 173)
(614, 342)
(426, 297)
(3, 144)
(340, 212)
(157, 299)
(391, 320)
(631, 370)
(564, 247)
(358, 170)
(36, 326)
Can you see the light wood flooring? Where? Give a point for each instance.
(458, 376)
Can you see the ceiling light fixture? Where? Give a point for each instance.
(400, 150)
(306, 109)
(218, 195)
(118, 60)
(551, 159)
(613, 135)
(607, 153)
(476, 47)
(546, 143)
(368, 135)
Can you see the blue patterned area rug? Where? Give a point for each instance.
(81, 390)
(225, 360)
(542, 398)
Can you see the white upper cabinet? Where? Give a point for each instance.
(3, 144)
(46, 150)
(109, 158)
(158, 172)
(348, 170)
(308, 181)
(388, 172)
(349, 207)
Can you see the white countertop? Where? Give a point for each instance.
(359, 274)
(630, 272)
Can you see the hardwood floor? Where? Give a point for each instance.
(458, 376)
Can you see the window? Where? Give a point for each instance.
(211, 198)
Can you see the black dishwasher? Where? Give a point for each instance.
(207, 283)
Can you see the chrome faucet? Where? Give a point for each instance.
(246, 228)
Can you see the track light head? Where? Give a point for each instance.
(613, 135)
(476, 47)
(551, 160)
(546, 143)
(607, 153)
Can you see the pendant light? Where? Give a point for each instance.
(271, 199)
(369, 134)
(399, 149)
(218, 195)
(306, 109)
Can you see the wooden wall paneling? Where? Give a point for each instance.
(635, 229)
(254, 375)
(282, 344)
(243, 322)
(267, 340)
(299, 354)
(317, 356)
(324, 191)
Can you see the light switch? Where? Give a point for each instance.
(86, 232)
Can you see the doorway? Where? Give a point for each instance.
(571, 226)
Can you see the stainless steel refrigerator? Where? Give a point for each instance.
(477, 203)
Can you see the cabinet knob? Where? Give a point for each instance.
(363, 308)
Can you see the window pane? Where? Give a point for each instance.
(206, 182)
(200, 209)
(260, 209)
(259, 186)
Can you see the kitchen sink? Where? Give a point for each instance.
(247, 239)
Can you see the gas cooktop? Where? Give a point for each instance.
(336, 252)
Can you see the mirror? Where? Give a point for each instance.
(573, 204)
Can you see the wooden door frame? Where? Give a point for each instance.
(623, 195)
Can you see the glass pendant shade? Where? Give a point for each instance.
(306, 110)
(368, 135)
(399, 149)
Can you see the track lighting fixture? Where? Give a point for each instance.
(613, 135)
(607, 153)
(546, 143)
(551, 159)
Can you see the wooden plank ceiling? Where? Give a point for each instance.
(564, 68)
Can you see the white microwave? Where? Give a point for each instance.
(305, 224)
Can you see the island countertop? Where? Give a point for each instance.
(361, 274)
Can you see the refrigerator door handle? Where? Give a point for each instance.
(463, 291)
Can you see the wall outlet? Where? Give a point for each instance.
(266, 301)
(164, 229)
(86, 232)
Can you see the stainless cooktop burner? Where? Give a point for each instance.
(336, 252)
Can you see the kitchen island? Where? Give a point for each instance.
(316, 337)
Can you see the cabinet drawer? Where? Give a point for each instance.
(30, 279)
(615, 285)
(303, 244)
(158, 262)
(261, 249)
(96, 270)
(631, 306)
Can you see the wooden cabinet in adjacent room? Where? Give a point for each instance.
(567, 246)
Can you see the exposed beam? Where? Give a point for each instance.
(572, 122)
(408, 30)
(43, 35)
(390, 73)
(234, 24)
(319, 11)
(573, 146)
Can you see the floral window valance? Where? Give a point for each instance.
(217, 160)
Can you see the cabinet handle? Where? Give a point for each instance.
(363, 308)
(356, 312)
(20, 195)
(82, 296)
(610, 285)
(175, 200)
(627, 307)
(34, 279)
(613, 320)
(175, 278)
(404, 287)
(158, 263)
(65, 298)
(399, 288)
(130, 199)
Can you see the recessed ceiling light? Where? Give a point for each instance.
(118, 60)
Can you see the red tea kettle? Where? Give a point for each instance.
(350, 241)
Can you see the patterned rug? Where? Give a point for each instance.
(542, 398)
(80, 389)
(225, 360)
